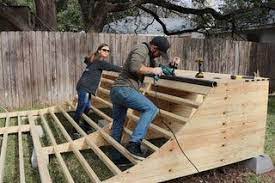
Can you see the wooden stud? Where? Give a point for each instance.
(20, 149)
(60, 160)
(41, 156)
(4, 151)
(92, 175)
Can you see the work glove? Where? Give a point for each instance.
(157, 71)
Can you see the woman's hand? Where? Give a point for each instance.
(175, 61)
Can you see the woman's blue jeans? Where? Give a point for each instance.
(127, 97)
(83, 105)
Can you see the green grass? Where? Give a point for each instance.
(270, 129)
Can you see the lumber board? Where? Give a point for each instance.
(21, 153)
(41, 156)
(4, 151)
(174, 99)
(14, 129)
(92, 175)
(60, 160)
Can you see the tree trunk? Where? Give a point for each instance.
(45, 15)
(94, 14)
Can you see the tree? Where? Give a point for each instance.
(95, 13)
(44, 14)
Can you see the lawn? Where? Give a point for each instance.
(230, 173)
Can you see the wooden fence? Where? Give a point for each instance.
(42, 68)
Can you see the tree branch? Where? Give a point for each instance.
(156, 17)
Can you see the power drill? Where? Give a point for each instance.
(167, 71)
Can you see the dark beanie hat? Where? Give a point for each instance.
(163, 45)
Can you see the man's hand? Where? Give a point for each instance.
(157, 71)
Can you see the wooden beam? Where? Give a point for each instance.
(14, 129)
(105, 80)
(173, 99)
(41, 159)
(192, 88)
(25, 113)
(95, 149)
(4, 151)
(135, 118)
(172, 116)
(92, 175)
(60, 160)
(103, 90)
(21, 155)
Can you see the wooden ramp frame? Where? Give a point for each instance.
(215, 124)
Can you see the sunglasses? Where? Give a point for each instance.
(106, 50)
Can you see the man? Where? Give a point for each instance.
(125, 91)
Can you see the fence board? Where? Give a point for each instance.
(20, 69)
(2, 85)
(44, 67)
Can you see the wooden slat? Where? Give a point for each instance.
(73, 123)
(107, 80)
(129, 132)
(135, 118)
(174, 99)
(193, 88)
(92, 175)
(108, 138)
(4, 151)
(40, 155)
(20, 150)
(58, 155)
(154, 127)
(103, 90)
(14, 129)
(173, 116)
(100, 154)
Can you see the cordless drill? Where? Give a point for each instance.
(167, 71)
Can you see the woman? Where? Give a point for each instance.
(89, 81)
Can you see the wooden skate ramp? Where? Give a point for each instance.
(216, 121)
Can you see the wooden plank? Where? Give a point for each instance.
(73, 123)
(65, 66)
(40, 155)
(53, 68)
(34, 70)
(13, 65)
(14, 129)
(174, 99)
(184, 86)
(2, 76)
(100, 154)
(27, 91)
(47, 68)
(59, 66)
(118, 146)
(114, 169)
(21, 152)
(154, 127)
(60, 160)
(177, 118)
(40, 68)
(79, 156)
(134, 117)
(20, 69)
(72, 60)
(4, 151)
(108, 138)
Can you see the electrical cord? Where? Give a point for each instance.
(163, 122)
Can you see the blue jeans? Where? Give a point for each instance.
(127, 97)
(83, 105)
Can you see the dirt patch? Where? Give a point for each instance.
(235, 173)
